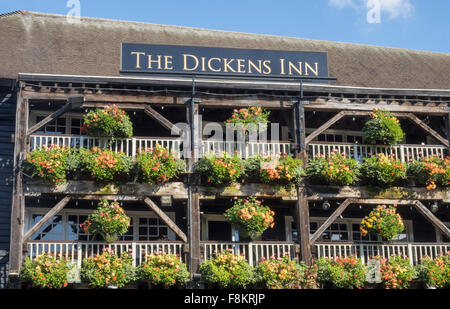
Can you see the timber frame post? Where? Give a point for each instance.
(301, 210)
(193, 202)
(18, 200)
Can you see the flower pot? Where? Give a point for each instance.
(109, 238)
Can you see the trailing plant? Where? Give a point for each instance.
(281, 169)
(250, 215)
(431, 171)
(158, 165)
(48, 163)
(345, 273)
(108, 220)
(220, 170)
(104, 164)
(228, 271)
(383, 170)
(103, 270)
(383, 129)
(383, 221)
(47, 272)
(335, 169)
(108, 122)
(252, 119)
(435, 272)
(163, 268)
(284, 273)
(396, 272)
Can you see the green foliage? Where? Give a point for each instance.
(435, 272)
(336, 169)
(248, 214)
(283, 273)
(383, 170)
(108, 220)
(104, 164)
(48, 163)
(252, 119)
(108, 269)
(284, 169)
(228, 271)
(46, 272)
(163, 268)
(431, 171)
(383, 129)
(345, 273)
(220, 170)
(384, 221)
(396, 272)
(108, 122)
(158, 165)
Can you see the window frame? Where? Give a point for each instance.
(135, 215)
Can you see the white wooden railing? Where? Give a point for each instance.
(132, 145)
(253, 251)
(77, 251)
(246, 150)
(414, 251)
(356, 151)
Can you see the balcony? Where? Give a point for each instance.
(253, 251)
(132, 145)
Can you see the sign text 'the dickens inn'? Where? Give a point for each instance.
(140, 58)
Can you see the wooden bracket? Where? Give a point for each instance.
(166, 219)
(55, 210)
(162, 120)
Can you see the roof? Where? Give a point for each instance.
(49, 44)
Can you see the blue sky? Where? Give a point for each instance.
(413, 24)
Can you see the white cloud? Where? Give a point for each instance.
(394, 8)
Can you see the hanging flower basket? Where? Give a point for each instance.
(109, 122)
(109, 221)
(251, 216)
(249, 120)
(383, 129)
(383, 221)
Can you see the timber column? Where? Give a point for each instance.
(18, 200)
(193, 203)
(301, 210)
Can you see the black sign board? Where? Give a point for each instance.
(190, 60)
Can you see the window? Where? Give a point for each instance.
(153, 229)
(57, 126)
(343, 230)
(68, 124)
(66, 227)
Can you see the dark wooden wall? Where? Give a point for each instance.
(7, 127)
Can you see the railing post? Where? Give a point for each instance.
(133, 147)
(410, 255)
(361, 252)
(250, 253)
(134, 249)
(402, 153)
(79, 255)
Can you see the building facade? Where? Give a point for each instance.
(320, 105)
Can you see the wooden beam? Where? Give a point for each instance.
(49, 118)
(54, 211)
(325, 126)
(302, 211)
(428, 129)
(330, 220)
(166, 219)
(162, 120)
(432, 218)
(18, 199)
